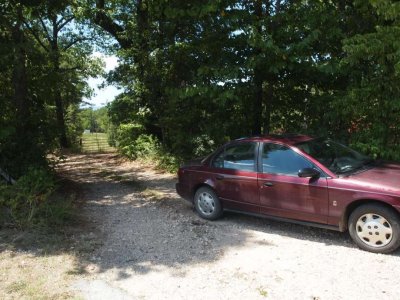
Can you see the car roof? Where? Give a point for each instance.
(288, 138)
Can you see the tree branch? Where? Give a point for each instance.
(67, 20)
(64, 70)
(36, 36)
(45, 30)
(72, 43)
(105, 22)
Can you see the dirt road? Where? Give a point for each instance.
(151, 245)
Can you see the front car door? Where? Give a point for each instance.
(235, 176)
(283, 193)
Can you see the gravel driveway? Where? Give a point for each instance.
(153, 246)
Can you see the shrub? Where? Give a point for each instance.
(126, 135)
(147, 147)
(203, 145)
(31, 201)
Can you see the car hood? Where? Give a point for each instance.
(384, 177)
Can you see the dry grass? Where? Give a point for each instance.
(41, 262)
(152, 194)
(30, 276)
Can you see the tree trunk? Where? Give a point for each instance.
(61, 120)
(258, 103)
(258, 78)
(19, 78)
(62, 133)
(142, 20)
(268, 109)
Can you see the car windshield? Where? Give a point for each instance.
(336, 157)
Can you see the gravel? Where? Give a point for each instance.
(151, 245)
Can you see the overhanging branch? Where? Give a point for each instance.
(114, 29)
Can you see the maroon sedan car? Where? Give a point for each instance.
(296, 178)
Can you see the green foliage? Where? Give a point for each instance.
(195, 74)
(29, 202)
(202, 145)
(370, 107)
(45, 58)
(145, 147)
(74, 125)
(95, 120)
(126, 136)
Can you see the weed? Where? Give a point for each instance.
(262, 291)
(17, 286)
(152, 194)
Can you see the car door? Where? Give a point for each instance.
(235, 176)
(283, 193)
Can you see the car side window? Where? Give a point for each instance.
(279, 159)
(237, 157)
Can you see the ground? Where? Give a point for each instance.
(140, 240)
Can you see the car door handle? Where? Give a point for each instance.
(219, 177)
(268, 183)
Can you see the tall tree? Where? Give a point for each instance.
(54, 28)
(33, 72)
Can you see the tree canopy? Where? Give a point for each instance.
(196, 73)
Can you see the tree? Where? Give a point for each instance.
(223, 69)
(372, 103)
(33, 73)
(55, 29)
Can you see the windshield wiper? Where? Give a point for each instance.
(368, 161)
(353, 169)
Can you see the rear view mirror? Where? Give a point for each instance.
(309, 173)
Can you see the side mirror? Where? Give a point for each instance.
(309, 172)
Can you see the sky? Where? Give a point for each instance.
(105, 95)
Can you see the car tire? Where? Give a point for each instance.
(207, 203)
(375, 228)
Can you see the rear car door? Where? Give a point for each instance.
(235, 176)
(283, 193)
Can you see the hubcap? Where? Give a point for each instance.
(206, 203)
(374, 230)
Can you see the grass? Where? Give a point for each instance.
(42, 261)
(151, 194)
(26, 275)
(262, 291)
(95, 142)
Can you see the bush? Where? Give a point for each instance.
(147, 147)
(30, 201)
(203, 145)
(112, 135)
(126, 136)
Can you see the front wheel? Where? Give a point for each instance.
(375, 228)
(207, 204)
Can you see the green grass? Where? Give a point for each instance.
(95, 142)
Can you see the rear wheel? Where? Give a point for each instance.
(207, 204)
(375, 228)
